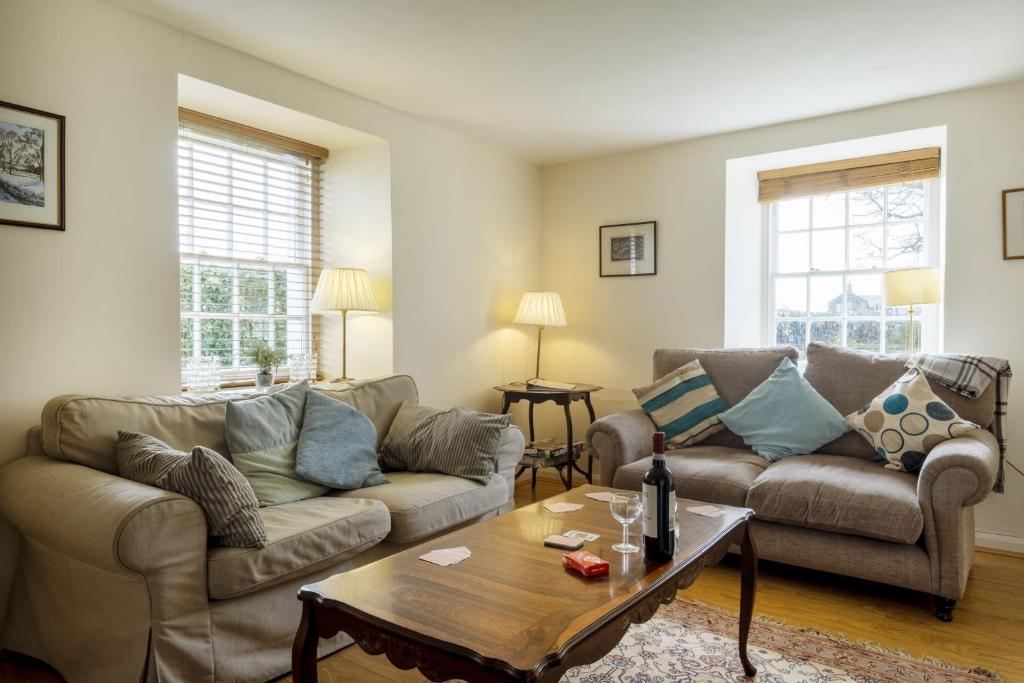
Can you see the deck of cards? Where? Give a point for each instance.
(447, 556)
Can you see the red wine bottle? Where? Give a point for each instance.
(659, 506)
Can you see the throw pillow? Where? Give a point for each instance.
(263, 435)
(684, 404)
(337, 446)
(784, 416)
(906, 421)
(226, 498)
(460, 442)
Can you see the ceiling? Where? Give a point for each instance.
(552, 80)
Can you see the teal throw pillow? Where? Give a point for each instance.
(263, 436)
(784, 416)
(338, 445)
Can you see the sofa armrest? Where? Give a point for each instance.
(619, 439)
(510, 452)
(956, 475)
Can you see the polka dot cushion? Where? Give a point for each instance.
(906, 421)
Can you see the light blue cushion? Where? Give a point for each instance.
(784, 416)
(338, 445)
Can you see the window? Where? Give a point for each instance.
(247, 237)
(826, 257)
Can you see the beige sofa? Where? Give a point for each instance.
(837, 510)
(114, 580)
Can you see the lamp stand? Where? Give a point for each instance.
(344, 347)
(540, 330)
(911, 333)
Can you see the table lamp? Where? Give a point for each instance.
(543, 309)
(912, 287)
(344, 290)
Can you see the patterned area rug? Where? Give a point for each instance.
(691, 642)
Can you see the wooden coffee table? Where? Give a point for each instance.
(511, 612)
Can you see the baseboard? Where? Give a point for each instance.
(1001, 543)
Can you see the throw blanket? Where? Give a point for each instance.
(970, 376)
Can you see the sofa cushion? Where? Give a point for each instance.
(302, 537)
(849, 379)
(717, 474)
(425, 503)
(683, 404)
(377, 399)
(337, 446)
(734, 372)
(841, 494)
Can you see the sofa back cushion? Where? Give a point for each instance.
(733, 372)
(849, 379)
(83, 429)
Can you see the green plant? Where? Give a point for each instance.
(266, 358)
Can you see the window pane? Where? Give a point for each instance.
(826, 331)
(792, 332)
(253, 293)
(904, 245)
(215, 288)
(827, 295)
(280, 292)
(216, 335)
(828, 250)
(187, 335)
(905, 202)
(829, 210)
(186, 281)
(791, 253)
(792, 214)
(867, 206)
(790, 297)
(866, 248)
(863, 335)
(281, 335)
(896, 336)
(863, 295)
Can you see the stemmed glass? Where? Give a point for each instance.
(626, 509)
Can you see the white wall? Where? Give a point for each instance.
(616, 323)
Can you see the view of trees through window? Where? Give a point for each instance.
(828, 256)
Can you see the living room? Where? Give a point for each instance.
(835, 186)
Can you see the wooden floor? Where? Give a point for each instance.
(988, 629)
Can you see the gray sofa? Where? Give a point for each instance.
(114, 580)
(838, 510)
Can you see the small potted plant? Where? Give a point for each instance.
(266, 361)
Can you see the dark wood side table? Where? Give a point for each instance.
(517, 391)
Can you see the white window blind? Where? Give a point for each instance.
(248, 245)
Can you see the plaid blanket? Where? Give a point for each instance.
(970, 376)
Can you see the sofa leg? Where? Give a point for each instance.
(944, 608)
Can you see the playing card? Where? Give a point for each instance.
(582, 534)
(706, 511)
(562, 507)
(447, 556)
(603, 496)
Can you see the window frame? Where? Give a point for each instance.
(929, 316)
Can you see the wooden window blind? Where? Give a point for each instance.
(249, 242)
(848, 174)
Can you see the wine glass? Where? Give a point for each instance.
(626, 508)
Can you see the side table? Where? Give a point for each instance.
(518, 391)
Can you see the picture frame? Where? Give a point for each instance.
(628, 249)
(1013, 224)
(31, 167)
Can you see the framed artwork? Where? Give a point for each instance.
(31, 167)
(1013, 223)
(629, 249)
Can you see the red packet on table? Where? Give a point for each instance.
(585, 562)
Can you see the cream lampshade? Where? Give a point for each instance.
(912, 287)
(343, 290)
(543, 309)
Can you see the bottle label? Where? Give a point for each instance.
(650, 499)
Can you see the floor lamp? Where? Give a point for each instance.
(343, 290)
(912, 287)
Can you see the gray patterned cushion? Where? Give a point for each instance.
(460, 442)
(227, 499)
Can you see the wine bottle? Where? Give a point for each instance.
(659, 495)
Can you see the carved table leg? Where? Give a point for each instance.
(748, 589)
(568, 443)
(304, 647)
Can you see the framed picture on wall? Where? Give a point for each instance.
(1013, 223)
(629, 249)
(31, 167)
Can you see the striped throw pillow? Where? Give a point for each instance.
(225, 496)
(683, 404)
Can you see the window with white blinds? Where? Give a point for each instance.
(248, 243)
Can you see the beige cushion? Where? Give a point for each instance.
(301, 537)
(840, 494)
(717, 474)
(850, 379)
(734, 372)
(425, 503)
